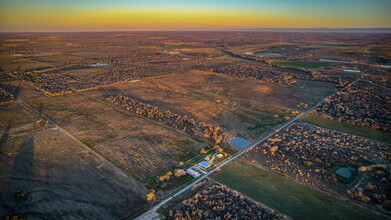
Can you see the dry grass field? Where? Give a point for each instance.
(64, 80)
(15, 116)
(142, 148)
(62, 178)
(237, 105)
(146, 149)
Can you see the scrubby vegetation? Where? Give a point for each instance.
(362, 104)
(311, 155)
(276, 74)
(255, 71)
(184, 123)
(219, 202)
(57, 81)
(5, 97)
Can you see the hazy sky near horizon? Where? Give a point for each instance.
(89, 15)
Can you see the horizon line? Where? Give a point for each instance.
(314, 30)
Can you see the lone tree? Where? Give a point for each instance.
(151, 195)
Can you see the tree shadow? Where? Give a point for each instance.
(4, 137)
(40, 108)
(21, 177)
(12, 89)
(16, 91)
(110, 91)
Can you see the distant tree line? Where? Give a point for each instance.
(58, 81)
(274, 74)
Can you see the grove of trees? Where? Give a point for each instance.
(311, 155)
(220, 202)
(5, 97)
(362, 104)
(256, 71)
(183, 123)
(57, 81)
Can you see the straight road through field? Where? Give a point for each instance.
(152, 213)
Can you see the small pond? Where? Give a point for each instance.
(353, 71)
(345, 173)
(335, 61)
(240, 142)
(99, 64)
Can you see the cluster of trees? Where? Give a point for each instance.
(184, 123)
(329, 74)
(311, 155)
(273, 73)
(373, 88)
(49, 84)
(321, 75)
(4, 77)
(256, 71)
(11, 216)
(5, 98)
(361, 104)
(219, 202)
(57, 81)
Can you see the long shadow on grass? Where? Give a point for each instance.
(4, 137)
(111, 91)
(16, 92)
(20, 179)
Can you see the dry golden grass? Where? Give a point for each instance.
(141, 147)
(55, 169)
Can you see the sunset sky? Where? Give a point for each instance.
(91, 15)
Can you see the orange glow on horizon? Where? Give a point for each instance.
(72, 20)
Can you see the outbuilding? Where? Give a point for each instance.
(204, 165)
(193, 173)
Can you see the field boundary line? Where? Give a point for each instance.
(152, 212)
(103, 159)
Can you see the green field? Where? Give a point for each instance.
(288, 197)
(299, 64)
(263, 126)
(350, 129)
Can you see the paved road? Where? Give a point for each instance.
(151, 214)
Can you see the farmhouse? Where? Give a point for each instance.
(204, 165)
(192, 172)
